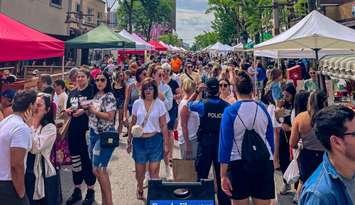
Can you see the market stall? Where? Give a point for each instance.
(315, 33)
(100, 37)
(341, 72)
(20, 42)
(158, 46)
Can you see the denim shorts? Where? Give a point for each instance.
(148, 149)
(100, 156)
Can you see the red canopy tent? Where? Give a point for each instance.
(19, 42)
(157, 46)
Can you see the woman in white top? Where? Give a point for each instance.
(41, 179)
(188, 123)
(148, 149)
(164, 90)
(165, 95)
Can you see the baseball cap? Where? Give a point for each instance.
(9, 93)
(212, 85)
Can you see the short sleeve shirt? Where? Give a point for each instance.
(158, 109)
(106, 103)
(13, 133)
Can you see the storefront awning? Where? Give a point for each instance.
(338, 66)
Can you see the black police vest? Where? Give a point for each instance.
(210, 122)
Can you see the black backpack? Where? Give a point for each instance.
(253, 146)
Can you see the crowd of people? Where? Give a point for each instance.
(225, 111)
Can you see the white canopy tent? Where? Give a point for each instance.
(315, 32)
(219, 47)
(300, 53)
(140, 43)
(238, 47)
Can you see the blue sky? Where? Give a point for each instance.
(191, 19)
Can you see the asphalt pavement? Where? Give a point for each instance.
(122, 176)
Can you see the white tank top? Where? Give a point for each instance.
(193, 123)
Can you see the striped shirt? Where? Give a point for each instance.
(232, 130)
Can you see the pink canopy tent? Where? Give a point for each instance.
(19, 42)
(157, 46)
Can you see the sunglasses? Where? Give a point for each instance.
(148, 89)
(312, 73)
(223, 85)
(100, 80)
(349, 133)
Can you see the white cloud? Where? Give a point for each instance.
(190, 23)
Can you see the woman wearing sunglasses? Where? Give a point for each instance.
(102, 112)
(225, 91)
(150, 113)
(41, 178)
(133, 93)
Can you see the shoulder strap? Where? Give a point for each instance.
(256, 112)
(147, 114)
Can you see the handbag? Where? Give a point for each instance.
(292, 172)
(137, 130)
(109, 138)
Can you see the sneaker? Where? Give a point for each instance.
(90, 197)
(285, 189)
(75, 197)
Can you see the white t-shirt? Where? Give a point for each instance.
(13, 133)
(158, 109)
(271, 110)
(193, 123)
(61, 101)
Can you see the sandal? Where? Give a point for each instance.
(140, 194)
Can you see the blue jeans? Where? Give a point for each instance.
(100, 156)
(148, 149)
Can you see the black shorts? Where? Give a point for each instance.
(308, 162)
(256, 181)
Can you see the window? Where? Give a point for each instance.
(56, 3)
(90, 15)
(78, 8)
(99, 15)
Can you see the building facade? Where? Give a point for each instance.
(60, 18)
(342, 11)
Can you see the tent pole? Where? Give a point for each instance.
(321, 79)
(63, 69)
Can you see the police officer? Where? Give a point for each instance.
(210, 111)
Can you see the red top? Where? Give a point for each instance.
(19, 42)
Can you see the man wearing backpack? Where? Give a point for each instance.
(210, 111)
(246, 146)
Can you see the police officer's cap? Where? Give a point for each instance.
(212, 85)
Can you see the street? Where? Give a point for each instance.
(122, 176)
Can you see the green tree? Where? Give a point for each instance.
(171, 39)
(144, 15)
(204, 40)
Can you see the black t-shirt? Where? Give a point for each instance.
(75, 98)
(174, 86)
